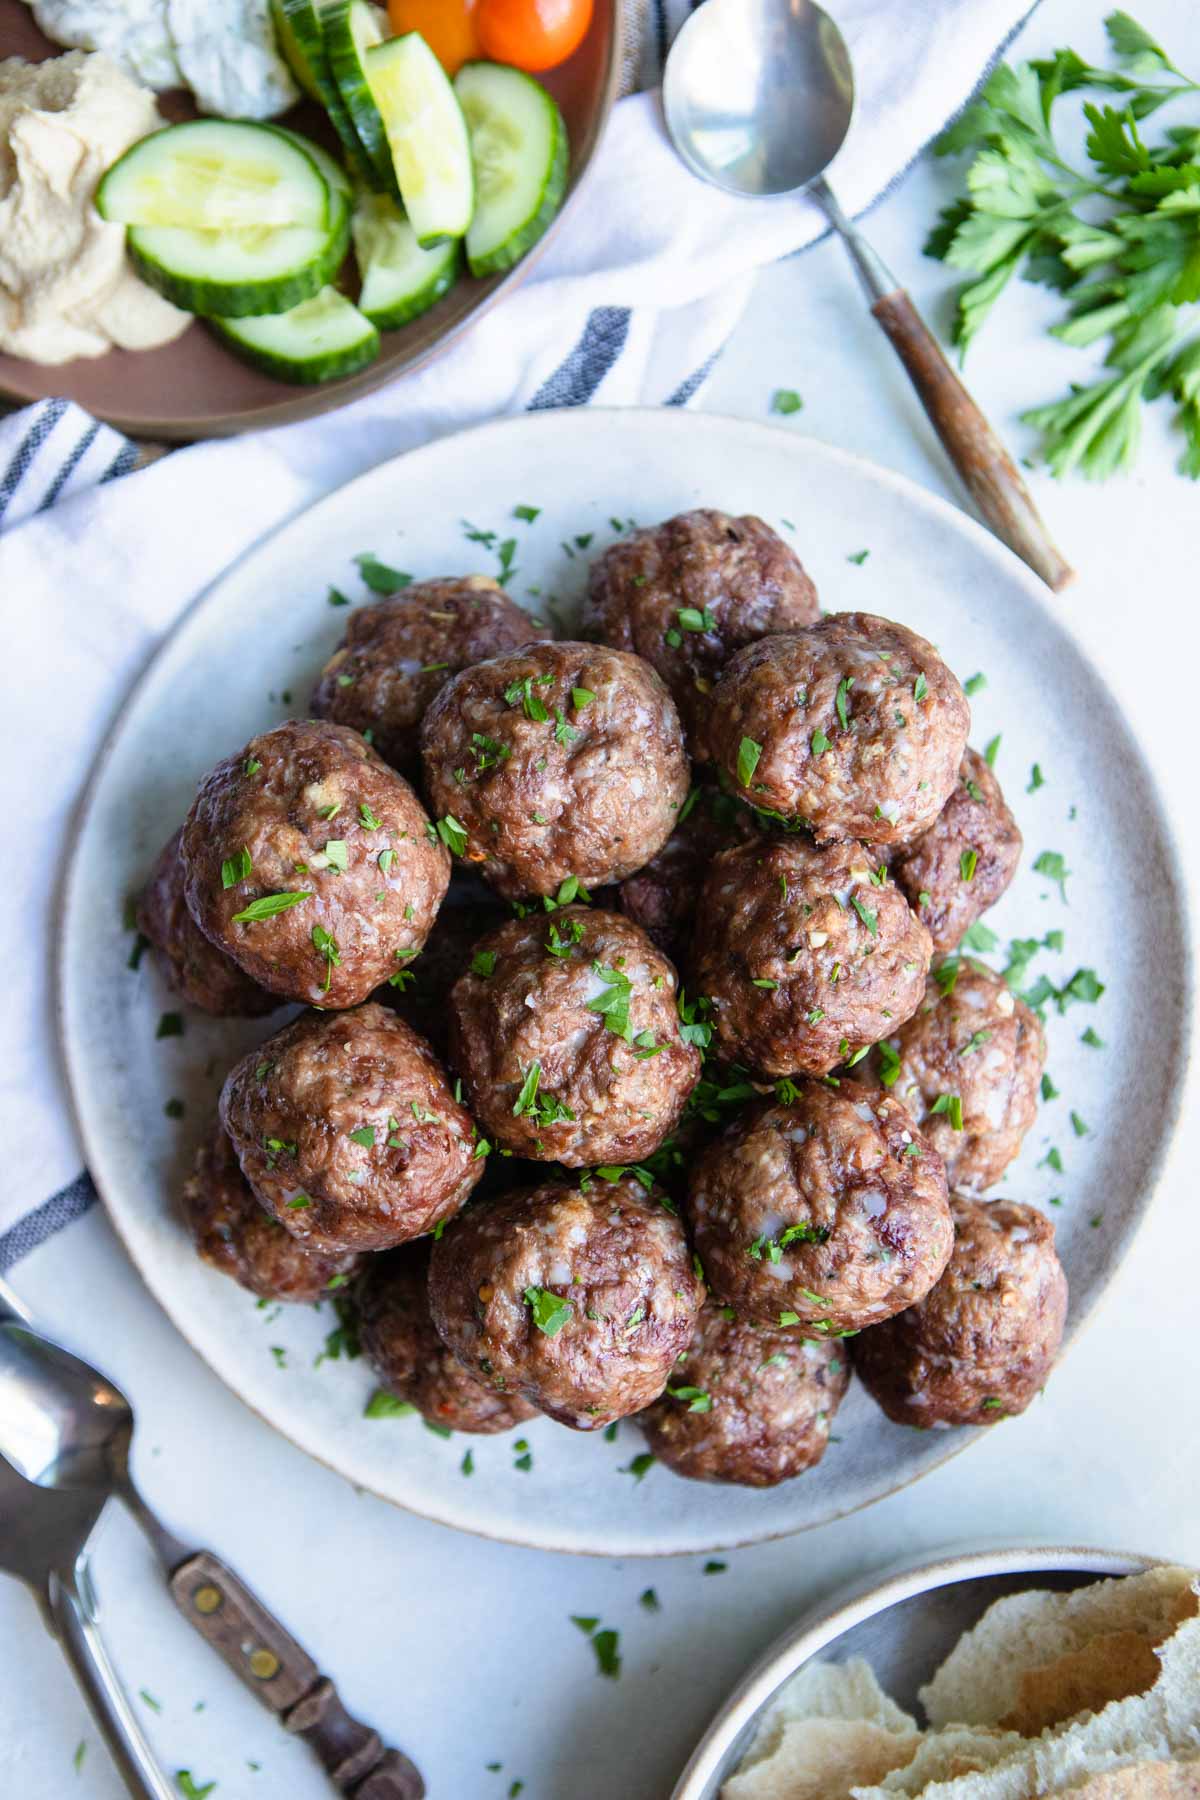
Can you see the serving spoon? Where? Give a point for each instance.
(758, 97)
(67, 1429)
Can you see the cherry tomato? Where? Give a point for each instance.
(448, 27)
(532, 34)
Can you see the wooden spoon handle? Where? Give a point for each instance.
(274, 1666)
(986, 468)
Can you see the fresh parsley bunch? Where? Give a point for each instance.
(1120, 241)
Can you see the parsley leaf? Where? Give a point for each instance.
(379, 577)
(747, 761)
(267, 905)
(786, 401)
(550, 1311)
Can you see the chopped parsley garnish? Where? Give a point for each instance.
(841, 702)
(786, 401)
(640, 1466)
(714, 1568)
(870, 919)
(946, 975)
(968, 862)
(974, 683)
(483, 963)
(267, 905)
(980, 937)
(613, 1004)
(236, 868)
(527, 513)
(520, 693)
(365, 1135)
(523, 1456)
(764, 981)
(819, 743)
(747, 761)
(859, 557)
(366, 817)
(378, 576)
(325, 944)
(335, 597)
(170, 1024)
(581, 697)
(337, 855)
(699, 1399)
(991, 750)
(1049, 1091)
(975, 1042)
(561, 944)
(649, 1601)
(920, 688)
(453, 834)
(1036, 779)
(951, 1106)
(190, 1788)
(692, 619)
(564, 734)
(383, 1405)
(1053, 865)
(1078, 1126)
(889, 1063)
(1052, 1160)
(1091, 1038)
(251, 766)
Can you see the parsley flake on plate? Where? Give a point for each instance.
(786, 401)
(378, 576)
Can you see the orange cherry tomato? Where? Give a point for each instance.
(532, 34)
(448, 27)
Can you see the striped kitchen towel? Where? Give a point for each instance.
(631, 304)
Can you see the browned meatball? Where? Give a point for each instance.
(420, 992)
(965, 861)
(397, 654)
(203, 975)
(329, 853)
(829, 1211)
(557, 760)
(855, 726)
(688, 593)
(983, 1341)
(410, 1359)
(975, 1052)
(346, 1129)
(565, 1030)
(232, 1232)
(579, 1301)
(661, 898)
(746, 1403)
(806, 955)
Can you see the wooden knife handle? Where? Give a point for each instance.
(988, 471)
(274, 1666)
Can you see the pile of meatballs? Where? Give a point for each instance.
(622, 1084)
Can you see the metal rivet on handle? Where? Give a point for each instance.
(207, 1599)
(263, 1664)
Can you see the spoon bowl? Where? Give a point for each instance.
(759, 94)
(62, 1424)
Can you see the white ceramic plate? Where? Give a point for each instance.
(261, 634)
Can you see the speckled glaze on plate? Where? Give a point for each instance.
(263, 631)
(904, 1626)
(194, 388)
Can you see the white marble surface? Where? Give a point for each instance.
(463, 1650)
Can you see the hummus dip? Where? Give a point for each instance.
(66, 289)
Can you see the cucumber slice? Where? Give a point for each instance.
(351, 28)
(298, 27)
(216, 175)
(520, 151)
(400, 281)
(318, 340)
(293, 20)
(336, 177)
(427, 135)
(239, 274)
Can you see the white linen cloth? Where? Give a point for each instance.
(631, 304)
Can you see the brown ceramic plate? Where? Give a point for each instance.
(194, 388)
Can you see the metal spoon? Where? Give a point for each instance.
(66, 1428)
(758, 96)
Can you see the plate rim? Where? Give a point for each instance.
(647, 418)
(829, 1618)
(297, 403)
